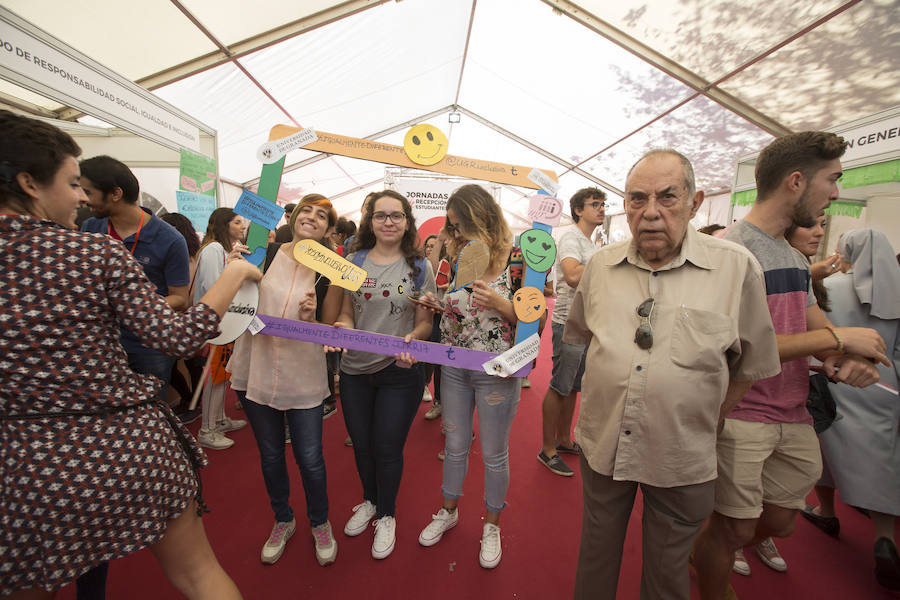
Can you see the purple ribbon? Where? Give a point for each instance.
(377, 343)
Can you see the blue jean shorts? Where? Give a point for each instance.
(568, 363)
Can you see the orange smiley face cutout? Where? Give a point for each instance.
(529, 304)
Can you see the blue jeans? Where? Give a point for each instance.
(378, 410)
(306, 441)
(153, 363)
(496, 399)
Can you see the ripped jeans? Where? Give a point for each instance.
(496, 399)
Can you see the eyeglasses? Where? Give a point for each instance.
(451, 230)
(395, 217)
(643, 336)
(596, 205)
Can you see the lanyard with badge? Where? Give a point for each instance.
(137, 234)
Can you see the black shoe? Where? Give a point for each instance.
(328, 409)
(887, 564)
(573, 449)
(555, 464)
(830, 525)
(189, 416)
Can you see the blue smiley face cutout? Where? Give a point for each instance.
(538, 249)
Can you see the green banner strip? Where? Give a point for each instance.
(885, 172)
(839, 208)
(745, 198)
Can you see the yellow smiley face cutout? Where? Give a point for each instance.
(529, 304)
(425, 144)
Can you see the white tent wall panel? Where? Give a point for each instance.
(227, 101)
(841, 71)
(160, 183)
(134, 39)
(232, 21)
(883, 214)
(709, 37)
(712, 137)
(553, 81)
(379, 67)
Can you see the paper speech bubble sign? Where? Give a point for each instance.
(338, 269)
(538, 249)
(529, 304)
(258, 210)
(240, 314)
(545, 209)
(473, 261)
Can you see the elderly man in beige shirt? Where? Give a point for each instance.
(678, 329)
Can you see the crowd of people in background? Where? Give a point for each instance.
(690, 350)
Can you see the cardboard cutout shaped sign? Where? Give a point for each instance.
(338, 269)
(529, 304)
(538, 249)
(240, 314)
(425, 144)
(473, 261)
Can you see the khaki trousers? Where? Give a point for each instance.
(672, 519)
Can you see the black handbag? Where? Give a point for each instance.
(819, 403)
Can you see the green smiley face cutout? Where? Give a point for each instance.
(538, 249)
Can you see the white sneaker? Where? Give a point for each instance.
(426, 395)
(385, 536)
(490, 554)
(434, 531)
(210, 438)
(769, 554)
(326, 545)
(274, 547)
(362, 514)
(741, 566)
(225, 425)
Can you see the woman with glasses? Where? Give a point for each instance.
(480, 318)
(380, 394)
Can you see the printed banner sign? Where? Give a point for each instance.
(271, 152)
(196, 207)
(43, 64)
(428, 198)
(240, 314)
(514, 359)
(259, 210)
(336, 268)
(377, 343)
(197, 173)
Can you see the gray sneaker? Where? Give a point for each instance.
(274, 547)
(555, 464)
(326, 545)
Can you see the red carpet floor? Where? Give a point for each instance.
(540, 530)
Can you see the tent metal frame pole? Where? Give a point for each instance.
(668, 66)
(257, 42)
(534, 147)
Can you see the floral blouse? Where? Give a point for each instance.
(470, 326)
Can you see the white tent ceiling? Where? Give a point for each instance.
(582, 88)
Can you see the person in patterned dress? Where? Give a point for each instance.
(93, 467)
(479, 318)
